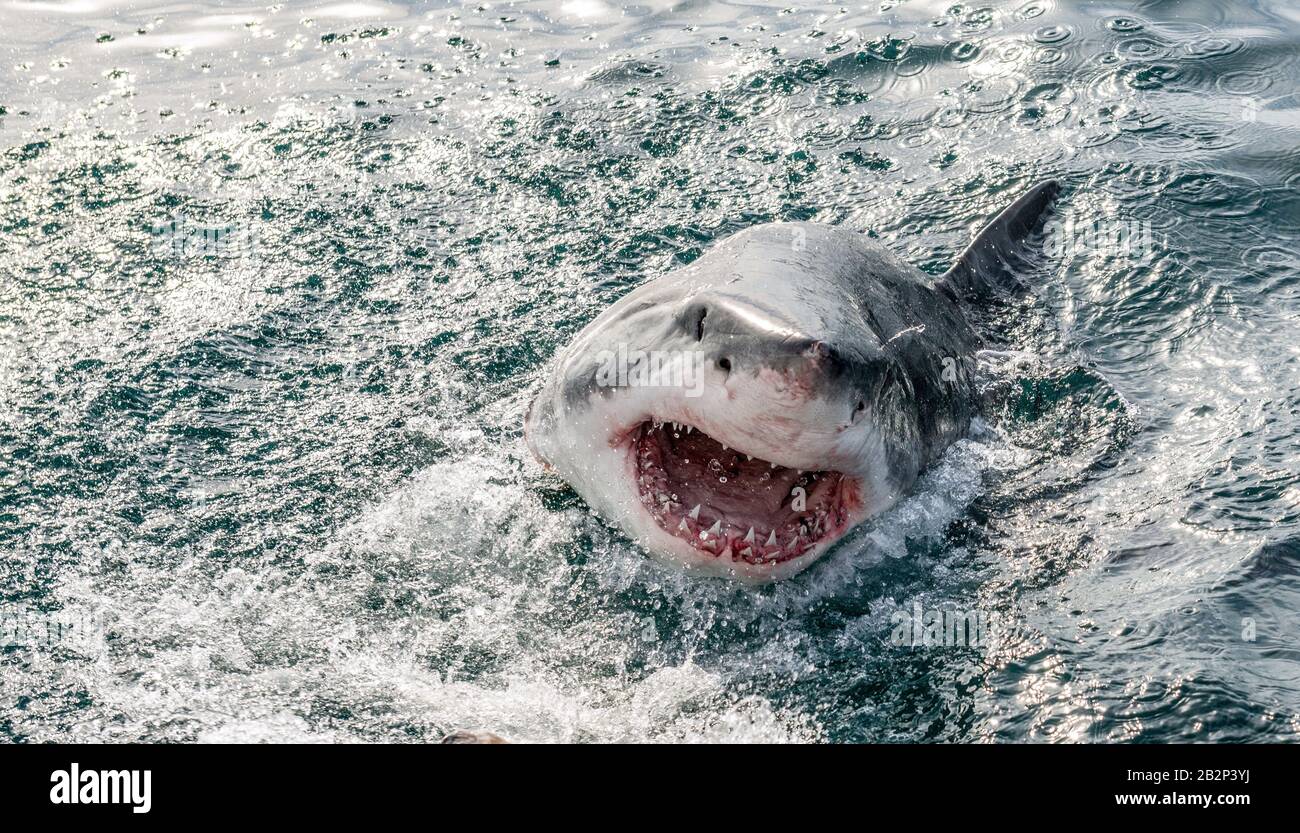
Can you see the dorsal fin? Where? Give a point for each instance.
(988, 266)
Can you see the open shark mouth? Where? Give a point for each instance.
(729, 505)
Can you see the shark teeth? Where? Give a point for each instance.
(673, 485)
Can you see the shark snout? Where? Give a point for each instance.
(743, 340)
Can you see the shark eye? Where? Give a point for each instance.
(857, 410)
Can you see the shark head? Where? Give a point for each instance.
(739, 415)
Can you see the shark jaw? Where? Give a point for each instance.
(748, 487)
(722, 511)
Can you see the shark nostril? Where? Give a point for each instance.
(819, 350)
(699, 323)
(857, 410)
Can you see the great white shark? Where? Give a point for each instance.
(740, 414)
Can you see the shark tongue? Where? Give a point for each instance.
(730, 481)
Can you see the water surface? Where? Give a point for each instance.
(277, 282)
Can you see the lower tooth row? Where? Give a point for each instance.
(713, 536)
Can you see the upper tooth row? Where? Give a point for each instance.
(690, 428)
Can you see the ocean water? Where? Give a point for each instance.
(278, 281)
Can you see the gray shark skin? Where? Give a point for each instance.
(809, 376)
